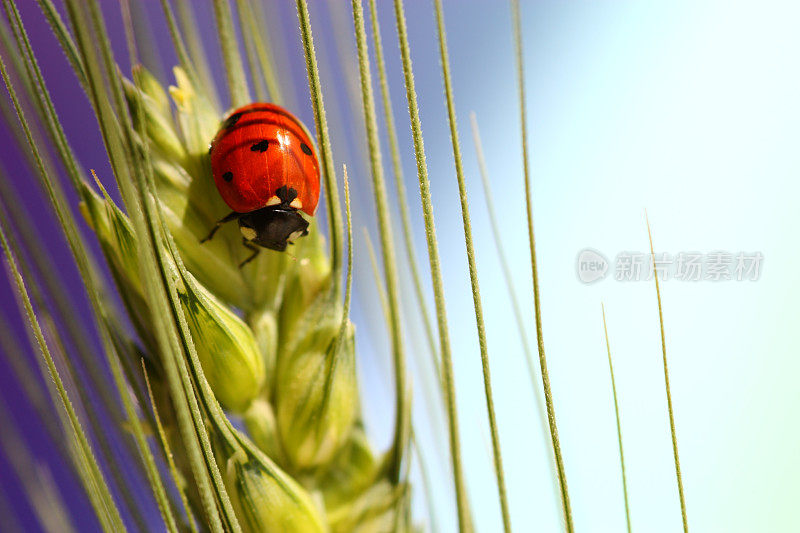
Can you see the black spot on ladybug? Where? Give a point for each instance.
(232, 120)
(260, 146)
(228, 176)
(304, 147)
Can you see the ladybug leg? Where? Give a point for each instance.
(253, 248)
(233, 215)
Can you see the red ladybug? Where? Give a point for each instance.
(265, 168)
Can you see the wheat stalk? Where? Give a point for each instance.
(287, 365)
(234, 390)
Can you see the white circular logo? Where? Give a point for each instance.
(591, 266)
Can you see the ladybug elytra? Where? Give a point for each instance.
(265, 169)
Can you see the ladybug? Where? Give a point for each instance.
(266, 170)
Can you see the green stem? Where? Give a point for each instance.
(548, 395)
(349, 275)
(666, 384)
(237, 84)
(143, 171)
(117, 135)
(426, 482)
(43, 264)
(194, 44)
(62, 34)
(400, 188)
(497, 236)
(401, 428)
(473, 269)
(462, 503)
(429, 399)
(84, 401)
(31, 75)
(162, 436)
(376, 273)
(427, 378)
(321, 122)
(246, 17)
(192, 378)
(99, 493)
(334, 350)
(262, 55)
(619, 425)
(184, 59)
(274, 41)
(87, 271)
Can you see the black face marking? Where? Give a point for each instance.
(286, 194)
(232, 120)
(228, 176)
(260, 146)
(304, 147)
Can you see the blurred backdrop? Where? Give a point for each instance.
(688, 110)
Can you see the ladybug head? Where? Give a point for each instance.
(273, 227)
